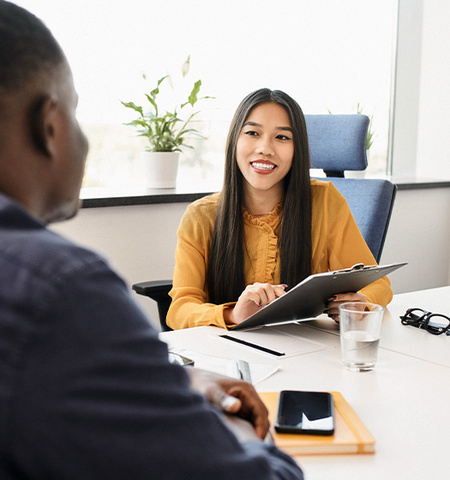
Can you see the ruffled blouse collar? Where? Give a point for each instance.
(271, 218)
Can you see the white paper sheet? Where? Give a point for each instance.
(272, 342)
(230, 367)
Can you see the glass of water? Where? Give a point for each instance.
(360, 326)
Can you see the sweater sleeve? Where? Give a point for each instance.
(190, 307)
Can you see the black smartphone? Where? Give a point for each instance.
(305, 412)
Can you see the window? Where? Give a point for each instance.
(330, 55)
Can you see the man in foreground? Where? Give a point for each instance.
(86, 388)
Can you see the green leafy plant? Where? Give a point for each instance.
(166, 132)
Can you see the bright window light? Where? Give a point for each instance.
(330, 55)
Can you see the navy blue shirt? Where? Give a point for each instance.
(86, 389)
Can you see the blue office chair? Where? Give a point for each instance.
(337, 143)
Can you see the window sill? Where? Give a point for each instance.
(419, 183)
(116, 197)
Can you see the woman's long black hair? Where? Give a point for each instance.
(225, 273)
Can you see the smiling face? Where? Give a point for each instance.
(265, 150)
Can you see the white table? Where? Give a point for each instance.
(406, 339)
(404, 402)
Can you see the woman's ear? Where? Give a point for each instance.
(42, 125)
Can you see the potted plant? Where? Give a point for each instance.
(166, 133)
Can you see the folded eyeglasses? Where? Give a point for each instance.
(434, 323)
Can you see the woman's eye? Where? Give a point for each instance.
(283, 137)
(251, 133)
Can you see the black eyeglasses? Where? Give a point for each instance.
(422, 319)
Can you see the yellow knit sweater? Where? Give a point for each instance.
(336, 243)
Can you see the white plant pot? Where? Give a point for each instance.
(161, 168)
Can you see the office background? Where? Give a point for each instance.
(140, 240)
(330, 55)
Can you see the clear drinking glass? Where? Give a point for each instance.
(360, 327)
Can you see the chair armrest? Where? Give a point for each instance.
(154, 288)
(157, 290)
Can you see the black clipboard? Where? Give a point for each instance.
(309, 297)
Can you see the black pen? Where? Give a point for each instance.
(253, 345)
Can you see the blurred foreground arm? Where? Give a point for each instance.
(233, 397)
(97, 384)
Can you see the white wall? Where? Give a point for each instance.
(420, 140)
(406, 87)
(420, 122)
(140, 240)
(433, 142)
(419, 234)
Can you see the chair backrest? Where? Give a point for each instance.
(337, 143)
(371, 202)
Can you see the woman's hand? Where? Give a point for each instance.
(336, 300)
(253, 298)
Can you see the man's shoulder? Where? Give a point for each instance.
(29, 245)
(45, 254)
(66, 253)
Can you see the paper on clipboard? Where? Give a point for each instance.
(309, 298)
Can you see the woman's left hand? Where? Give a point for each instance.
(333, 303)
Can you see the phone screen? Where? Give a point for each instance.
(305, 412)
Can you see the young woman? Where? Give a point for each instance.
(269, 228)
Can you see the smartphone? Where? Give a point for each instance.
(305, 412)
(178, 359)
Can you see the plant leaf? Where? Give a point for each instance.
(134, 107)
(193, 96)
(166, 133)
(186, 66)
(155, 91)
(152, 100)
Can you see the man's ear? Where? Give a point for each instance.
(42, 125)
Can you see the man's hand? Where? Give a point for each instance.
(232, 396)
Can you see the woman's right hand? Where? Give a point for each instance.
(252, 299)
